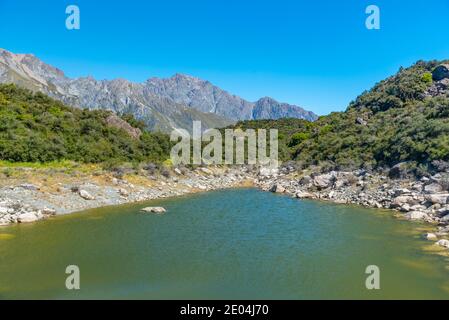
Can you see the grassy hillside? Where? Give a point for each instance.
(398, 120)
(36, 128)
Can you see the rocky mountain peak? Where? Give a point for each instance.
(163, 104)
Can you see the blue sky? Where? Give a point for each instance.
(317, 54)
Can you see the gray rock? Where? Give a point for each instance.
(304, 195)
(158, 210)
(401, 191)
(277, 189)
(86, 195)
(27, 217)
(324, 181)
(433, 188)
(48, 212)
(29, 186)
(438, 198)
(305, 180)
(402, 200)
(417, 215)
(361, 121)
(399, 171)
(430, 236)
(443, 243)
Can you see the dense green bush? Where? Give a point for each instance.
(36, 128)
(400, 123)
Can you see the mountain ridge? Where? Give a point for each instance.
(162, 103)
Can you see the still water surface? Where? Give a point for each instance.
(236, 244)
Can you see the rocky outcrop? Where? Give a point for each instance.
(116, 122)
(441, 72)
(440, 85)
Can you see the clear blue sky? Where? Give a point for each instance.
(317, 54)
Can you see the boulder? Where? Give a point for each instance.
(441, 72)
(340, 183)
(399, 171)
(361, 121)
(117, 122)
(304, 195)
(158, 210)
(417, 207)
(48, 212)
(441, 198)
(178, 172)
(86, 195)
(403, 200)
(430, 236)
(401, 191)
(417, 215)
(444, 211)
(277, 189)
(443, 243)
(27, 217)
(305, 180)
(433, 188)
(324, 181)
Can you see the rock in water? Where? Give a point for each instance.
(303, 195)
(417, 215)
(430, 236)
(443, 243)
(277, 189)
(158, 210)
(27, 217)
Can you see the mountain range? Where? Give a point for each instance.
(163, 104)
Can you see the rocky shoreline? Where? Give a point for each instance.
(30, 202)
(425, 199)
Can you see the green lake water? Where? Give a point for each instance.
(233, 244)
